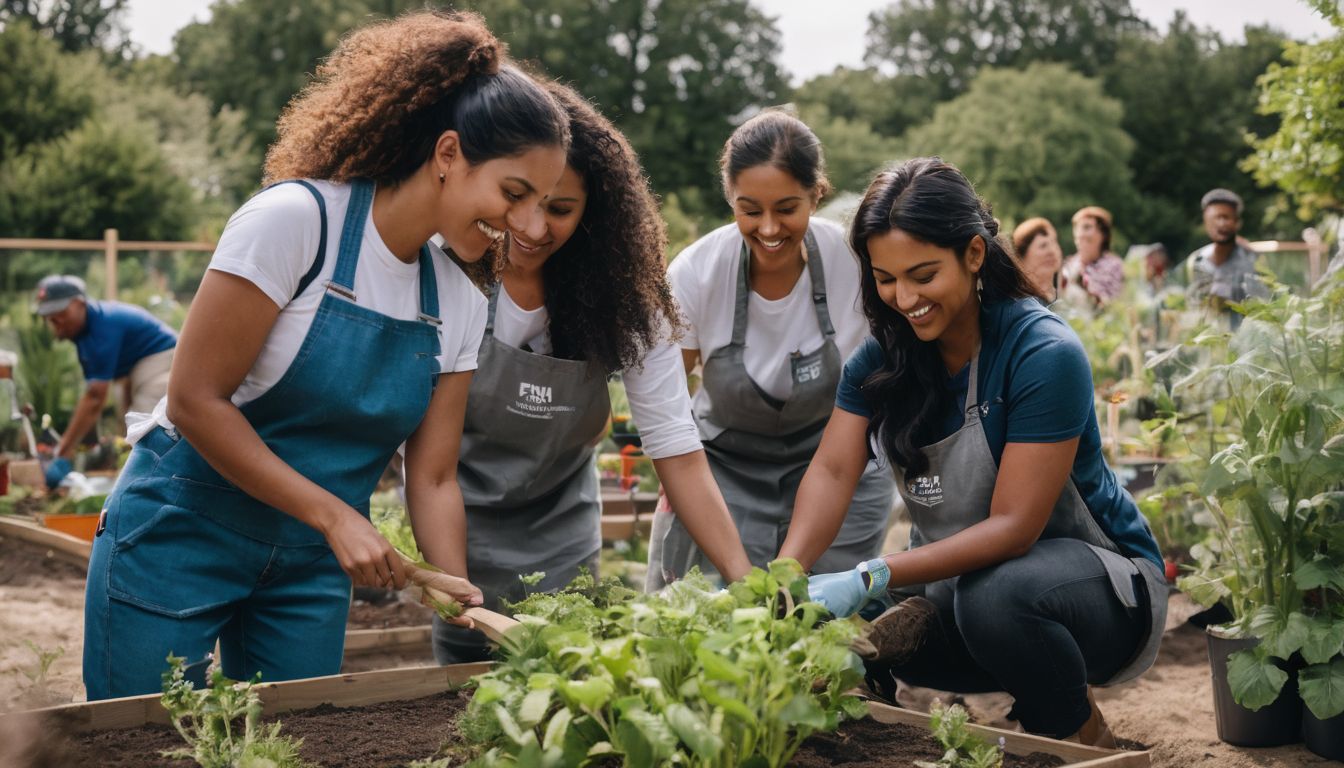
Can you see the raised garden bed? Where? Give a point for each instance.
(391, 717)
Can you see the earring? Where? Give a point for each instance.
(440, 178)
(979, 287)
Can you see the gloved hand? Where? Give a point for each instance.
(845, 593)
(56, 471)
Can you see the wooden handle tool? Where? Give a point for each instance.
(434, 586)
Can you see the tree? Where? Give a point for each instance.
(853, 150)
(675, 75)
(43, 93)
(889, 105)
(75, 25)
(1305, 156)
(949, 41)
(1189, 100)
(1068, 150)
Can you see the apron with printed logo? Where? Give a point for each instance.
(759, 447)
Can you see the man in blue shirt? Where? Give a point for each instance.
(115, 341)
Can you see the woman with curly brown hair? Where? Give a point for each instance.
(585, 297)
(326, 332)
(772, 306)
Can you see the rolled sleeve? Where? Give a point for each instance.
(660, 404)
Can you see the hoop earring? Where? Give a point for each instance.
(441, 177)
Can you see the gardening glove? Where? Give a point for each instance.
(56, 471)
(845, 593)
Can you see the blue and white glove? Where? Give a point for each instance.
(56, 471)
(846, 592)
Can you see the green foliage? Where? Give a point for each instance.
(887, 105)
(854, 150)
(689, 676)
(949, 42)
(963, 748)
(48, 374)
(1305, 156)
(1033, 162)
(42, 94)
(75, 25)
(208, 721)
(37, 673)
(1274, 452)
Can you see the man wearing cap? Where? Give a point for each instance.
(1223, 272)
(114, 341)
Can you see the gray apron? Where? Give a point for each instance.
(956, 491)
(528, 476)
(759, 447)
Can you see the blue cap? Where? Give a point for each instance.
(55, 292)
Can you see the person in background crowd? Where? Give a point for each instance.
(1093, 275)
(771, 304)
(1037, 247)
(1042, 575)
(1223, 272)
(580, 298)
(115, 342)
(327, 332)
(1156, 262)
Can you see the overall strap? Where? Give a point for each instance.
(429, 288)
(316, 269)
(818, 274)
(352, 236)
(740, 301)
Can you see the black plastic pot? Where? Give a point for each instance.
(1324, 737)
(1270, 726)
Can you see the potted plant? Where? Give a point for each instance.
(1274, 447)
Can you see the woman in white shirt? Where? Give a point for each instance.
(325, 334)
(585, 297)
(772, 308)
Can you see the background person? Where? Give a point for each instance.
(771, 308)
(1223, 272)
(1044, 575)
(324, 335)
(1037, 247)
(577, 299)
(1093, 275)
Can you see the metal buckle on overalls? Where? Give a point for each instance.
(335, 287)
(430, 319)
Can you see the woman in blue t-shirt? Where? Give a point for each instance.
(1030, 567)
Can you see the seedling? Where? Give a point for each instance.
(963, 748)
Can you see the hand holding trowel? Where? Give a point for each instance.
(444, 593)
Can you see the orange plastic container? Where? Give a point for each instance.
(79, 526)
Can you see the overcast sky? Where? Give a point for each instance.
(821, 35)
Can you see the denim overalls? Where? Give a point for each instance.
(186, 558)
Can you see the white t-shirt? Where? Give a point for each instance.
(704, 281)
(659, 404)
(272, 242)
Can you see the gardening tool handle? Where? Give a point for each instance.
(493, 624)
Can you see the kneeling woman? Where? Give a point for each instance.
(581, 295)
(1045, 576)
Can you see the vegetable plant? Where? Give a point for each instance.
(963, 748)
(690, 676)
(1273, 448)
(222, 724)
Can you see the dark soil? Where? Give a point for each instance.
(396, 733)
(383, 608)
(24, 564)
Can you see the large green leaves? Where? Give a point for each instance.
(1322, 687)
(1254, 679)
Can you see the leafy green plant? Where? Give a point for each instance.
(1274, 483)
(48, 374)
(963, 748)
(209, 721)
(689, 676)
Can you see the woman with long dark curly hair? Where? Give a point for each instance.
(772, 308)
(326, 333)
(1031, 569)
(585, 297)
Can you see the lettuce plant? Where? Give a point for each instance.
(690, 676)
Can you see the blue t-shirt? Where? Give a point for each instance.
(1035, 377)
(116, 336)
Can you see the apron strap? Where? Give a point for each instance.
(814, 270)
(818, 273)
(492, 293)
(973, 382)
(352, 236)
(321, 258)
(429, 289)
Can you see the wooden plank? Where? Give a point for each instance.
(359, 642)
(1075, 755)
(62, 545)
(50, 244)
(623, 527)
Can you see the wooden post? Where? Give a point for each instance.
(1315, 254)
(110, 263)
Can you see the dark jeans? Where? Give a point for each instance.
(1041, 627)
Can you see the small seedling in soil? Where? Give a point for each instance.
(208, 721)
(38, 694)
(963, 748)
